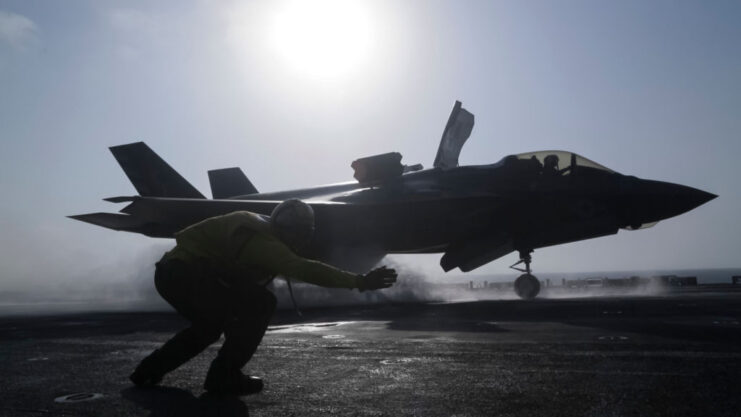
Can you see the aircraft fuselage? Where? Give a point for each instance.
(471, 211)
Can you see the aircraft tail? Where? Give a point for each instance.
(150, 174)
(229, 182)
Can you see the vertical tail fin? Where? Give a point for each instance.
(230, 182)
(150, 174)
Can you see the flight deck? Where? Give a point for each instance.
(676, 354)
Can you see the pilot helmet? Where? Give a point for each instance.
(292, 221)
(551, 161)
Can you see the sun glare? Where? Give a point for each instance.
(322, 38)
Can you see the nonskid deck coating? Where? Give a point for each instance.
(674, 355)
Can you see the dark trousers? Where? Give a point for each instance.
(240, 311)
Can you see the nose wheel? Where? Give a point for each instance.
(526, 285)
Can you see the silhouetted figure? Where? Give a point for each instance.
(550, 165)
(216, 277)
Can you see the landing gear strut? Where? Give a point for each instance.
(526, 286)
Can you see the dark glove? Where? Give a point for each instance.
(378, 278)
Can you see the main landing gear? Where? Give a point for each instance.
(526, 286)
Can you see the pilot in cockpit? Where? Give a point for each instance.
(550, 165)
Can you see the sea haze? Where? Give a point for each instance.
(139, 294)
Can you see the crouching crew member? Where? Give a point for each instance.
(216, 276)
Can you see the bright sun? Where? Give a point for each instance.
(322, 38)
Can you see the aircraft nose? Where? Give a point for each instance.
(696, 197)
(677, 199)
(656, 200)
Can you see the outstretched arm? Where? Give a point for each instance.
(274, 256)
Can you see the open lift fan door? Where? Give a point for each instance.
(457, 130)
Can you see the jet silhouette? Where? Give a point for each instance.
(471, 214)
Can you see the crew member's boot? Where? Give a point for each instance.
(148, 373)
(242, 337)
(223, 379)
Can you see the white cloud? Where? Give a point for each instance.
(16, 30)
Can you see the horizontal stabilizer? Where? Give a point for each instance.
(110, 220)
(121, 199)
(229, 182)
(150, 174)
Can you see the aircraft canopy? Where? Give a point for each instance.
(561, 162)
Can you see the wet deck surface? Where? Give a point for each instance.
(675, 355)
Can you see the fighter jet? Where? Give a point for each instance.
(472, 214)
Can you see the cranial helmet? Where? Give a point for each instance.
(293, 222)
(551, 161)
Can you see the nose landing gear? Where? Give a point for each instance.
(526, 285)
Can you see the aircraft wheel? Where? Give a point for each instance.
(527, 286)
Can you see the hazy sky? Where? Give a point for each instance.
(293, 94)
